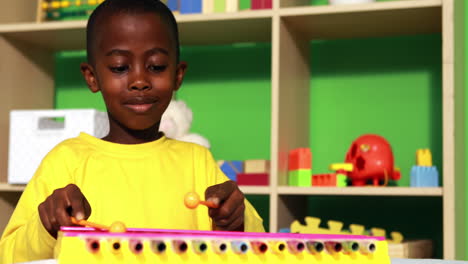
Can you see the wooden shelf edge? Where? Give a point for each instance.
(5, 187)
(253, 190)
(361, 191)
(355, 8)
(81, 24)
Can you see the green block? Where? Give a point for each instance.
(219, 6)
(245, 4)
(341, 180)
(300, 178)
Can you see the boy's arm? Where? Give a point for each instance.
(25, 238)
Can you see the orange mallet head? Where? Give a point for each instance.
(192, 200)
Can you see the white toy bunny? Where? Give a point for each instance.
(176, 122)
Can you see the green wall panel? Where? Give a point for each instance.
(385, 86)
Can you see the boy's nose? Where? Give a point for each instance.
(140, 85)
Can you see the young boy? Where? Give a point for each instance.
(134, 174)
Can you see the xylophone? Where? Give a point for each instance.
(132, 245)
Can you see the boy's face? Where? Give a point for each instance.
(135, 68)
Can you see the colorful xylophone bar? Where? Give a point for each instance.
(88, 245)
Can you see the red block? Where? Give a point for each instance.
(262, 4)
(328, 179)
(299, 159)
(253, 179)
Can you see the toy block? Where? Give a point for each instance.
(300, 178)
(258, 179)
(208, 6)
(300, 158)
(245, 4)
(341, 167)
(424, 176)
(232, 6)
(262, 4)
(424, 157)
(257, 4)
(232, 168)
(190, 6)
(256, 166)
(341, 180)
(173, 5)
(220, 6)
(312, 226)
(328, 179)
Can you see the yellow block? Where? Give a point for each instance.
(256, 166)
(424, 157)
(341, 166)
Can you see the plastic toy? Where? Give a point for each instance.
(424, 174)
(176, 122)
(257, 166)
(300, 167)
(335, 227)
(330, 179)
(231, 168)
(93, 246)
(258, 179)
(369, 159)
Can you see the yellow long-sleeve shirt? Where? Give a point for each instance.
(142, 185)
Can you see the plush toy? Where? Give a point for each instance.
(176, 122)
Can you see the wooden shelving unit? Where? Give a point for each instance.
(28, 47)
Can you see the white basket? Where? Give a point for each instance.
(33, 133)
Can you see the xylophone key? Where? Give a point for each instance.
(239, 247)
(158, 246)
(199, 246)
(277, 247)
(115, 246)
(93, 245)
(136, 246)
(180, 246)
(368, 247)
(333, 247)
(315, 247)
(350, 247)
(295, 246)
(219, 247)
(259, 247)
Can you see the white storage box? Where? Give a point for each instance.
(33, 133)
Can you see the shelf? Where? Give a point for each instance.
(378, 19)
(5, 187)
(253, 190)
(361, 191)
(194, 30)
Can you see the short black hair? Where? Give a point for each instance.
(135, 7)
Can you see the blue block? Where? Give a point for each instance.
(173, 5)
(422, 176)
(190, 6)
(231, 168)
(284, 230)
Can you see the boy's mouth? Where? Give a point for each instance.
(140, 104)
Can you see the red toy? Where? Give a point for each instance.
(259, 179)
(372, 160)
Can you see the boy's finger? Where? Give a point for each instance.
(75, 199)
(43, 211)
(220, 191)
(228, 207)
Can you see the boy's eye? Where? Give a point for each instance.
(157, 68)
(119, 69)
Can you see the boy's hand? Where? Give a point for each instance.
(229, 216)
(63, 203)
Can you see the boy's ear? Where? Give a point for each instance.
(88, 73)
(180, 73)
